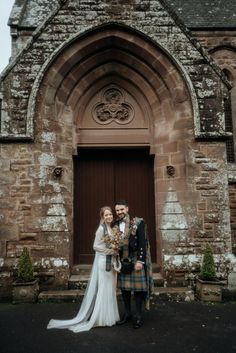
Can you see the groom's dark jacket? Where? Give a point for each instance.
(136, 229)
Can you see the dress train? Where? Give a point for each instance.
(99, 306)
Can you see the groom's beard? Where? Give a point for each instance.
(123, 218)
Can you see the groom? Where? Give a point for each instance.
(136, 247)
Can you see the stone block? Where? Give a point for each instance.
(232, 280)
(43, 251)
(201, 206)
(4, 193)
(5, 165)
(28, 235)
(9, 232)
(54, 224)
(2, 249)
(211, 218)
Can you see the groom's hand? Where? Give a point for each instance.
(138, 266)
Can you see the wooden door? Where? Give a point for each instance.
(103, 176)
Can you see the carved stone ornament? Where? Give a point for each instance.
(113, 108)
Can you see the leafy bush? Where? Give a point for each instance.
(208, 272)
(25, 271)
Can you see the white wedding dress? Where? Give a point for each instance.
(99, 306)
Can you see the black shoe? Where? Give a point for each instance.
(125, 318)
(138, 322)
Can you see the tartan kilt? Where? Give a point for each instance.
(135, 281)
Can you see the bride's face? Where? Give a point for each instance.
(108, 217)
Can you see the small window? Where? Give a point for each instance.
(229, 124)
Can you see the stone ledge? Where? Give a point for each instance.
(74, 295)
(79, 281)
(58, 296)
(174, 294)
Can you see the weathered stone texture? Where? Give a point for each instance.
(213, 191)
(232, 198)
(73, 19)
(45, 96)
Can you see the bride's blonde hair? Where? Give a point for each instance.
(102, 211)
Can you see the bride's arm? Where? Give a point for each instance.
(99, 244)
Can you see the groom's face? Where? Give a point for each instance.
(121, 211)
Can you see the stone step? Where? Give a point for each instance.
(79, 281)
(57, 296)
(158, 279)
(176, 294)
(81, 269)
(84, 269)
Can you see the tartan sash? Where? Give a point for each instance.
(108, 257)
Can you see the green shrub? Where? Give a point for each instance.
(208, 272)
(25, 271)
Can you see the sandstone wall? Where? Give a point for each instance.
(39, 136)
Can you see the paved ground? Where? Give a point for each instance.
(169, 328)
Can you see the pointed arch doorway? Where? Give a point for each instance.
(103, 176)
(113, 87)
(150, 103)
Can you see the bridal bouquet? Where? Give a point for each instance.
(114, 240)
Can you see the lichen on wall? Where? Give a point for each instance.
(44, 132)
(72, 19)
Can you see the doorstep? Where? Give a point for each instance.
(175, 294)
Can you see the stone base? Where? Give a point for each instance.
(76, 295)
(25, 292)
(175, 294)
(209, 291)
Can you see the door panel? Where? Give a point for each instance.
(103, 176)
(134, 182)
(93, 189)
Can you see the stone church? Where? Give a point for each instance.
(118, 99)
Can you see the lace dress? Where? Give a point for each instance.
(99, 306)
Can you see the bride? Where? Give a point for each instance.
(99, 305)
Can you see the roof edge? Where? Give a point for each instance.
(207, 28)
(35, 34)
(17, 13)
(195, 42)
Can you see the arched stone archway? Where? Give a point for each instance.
(150, 96)
(118, 57)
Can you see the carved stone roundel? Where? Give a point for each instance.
(113, 107)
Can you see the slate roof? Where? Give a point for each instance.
(206, 14)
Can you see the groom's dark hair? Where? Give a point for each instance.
(121, 202)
